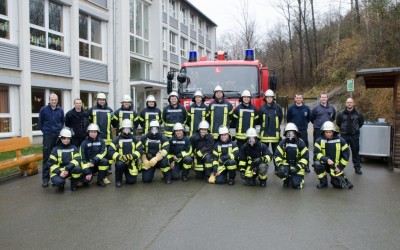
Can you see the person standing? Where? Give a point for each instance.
(349, 122)
(321, 113)
(51, 121)
(172, 114)
(299, 114)
(149, 113)
(270, 120)
(126, 112)
(197, 112)
(221, 112)
(77, 120)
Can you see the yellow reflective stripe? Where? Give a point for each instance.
(76, 176)
(322, 175)
(224, 122)
(103, 167)
(248, 172)
(75, 162)
(199, 153)
(166, 169)
(221, 168)
(85, 166)
(133, 171)
(187, 166)
(53, 158)
(242, 163)
(343, 162)
(231, 167)
(337, 156)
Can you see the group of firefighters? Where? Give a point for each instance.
(207, 147)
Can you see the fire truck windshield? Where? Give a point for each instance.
(232, 78)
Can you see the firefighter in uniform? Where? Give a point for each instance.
(94, 159)
(331, 155)
(291, 158)
(173, 113)
(179, 155)
(245, 116)
(126, 112)
(125, 150)
(197, 112)
(221, 112)
(254, 158)
(103, 116)
(225, 153)
(202, 144)
(151, 112)
(270, 120)
(64, 162)
(155, 150)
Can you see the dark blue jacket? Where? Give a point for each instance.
(299, 115)
(321, 114)
(51, 121)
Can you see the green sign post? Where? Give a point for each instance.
(350, 87)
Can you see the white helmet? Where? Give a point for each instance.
(204, 125)
(328, 125)
(126, 123)
(154, 123)
(269, 92)
(178, 126)
(127, 98)
(218, 88)
(198, 93)
(65, 132)
(246, 93)
(92, 127)
(101, 96)
(150, 98)
(251, 132)
(223, 130)
(173, 93)
(291, 127)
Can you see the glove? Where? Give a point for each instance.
(295, 169)
(212, 178)
(145, 162)
(256, 162)
(153, 162)
(123, 158)
(129, 157)
(158, 157)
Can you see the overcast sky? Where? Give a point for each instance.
(222, 12)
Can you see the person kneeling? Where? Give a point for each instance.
(291, 158)
(180, 150)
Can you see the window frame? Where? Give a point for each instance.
(142, 38)
(12, 112)
(183, 15)
(192, 21)
(184, 47)
(173, 42)
(172, 8)
(89, 41)
(8, 18)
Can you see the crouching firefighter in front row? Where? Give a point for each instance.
(125, 150)
(179, 153)
(254, 158)
(225, 153)
(331, 154)
(155, 150)
(93, 152)
(291, 157)
(64, 162)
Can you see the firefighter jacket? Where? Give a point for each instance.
(320, 114)
(202, 145)
(92, 151)
(179, 148)
(270, 121)
(224, 151)
(196, 114)
(335, 149)
(244, 117)
(152, 144)
(125, 145)
(294, 154)
(63, 157)
(147, 115)
(350, 122)
(248, 153)
(122, 114)
(172, 115)
(77, 121)
(299, 115)
(103, 117)
(220, 114)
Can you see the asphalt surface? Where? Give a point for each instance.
(197, 215)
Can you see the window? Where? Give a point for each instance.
(139, 27)
(172, 42)
(140, 70)
(183, 16)
(192, 22)
(165, 39)
(208, 32)
(193, 47)
(164, 6)
(88, 99)
(174, 82)
(46, 24)
(200, 29)
(165, 72)
(90, 40)
(5, 113)
(201, 51)
(40, 98)
(172, 8)
(4, 20)
(184, 47)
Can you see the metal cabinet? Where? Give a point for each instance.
(375, 139)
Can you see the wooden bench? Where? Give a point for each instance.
(26, 163)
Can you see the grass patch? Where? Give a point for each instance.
(36, 149)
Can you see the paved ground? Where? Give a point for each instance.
(196, 215)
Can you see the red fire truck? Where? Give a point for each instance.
(233, 76)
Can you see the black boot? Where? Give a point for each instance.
(263, 183)
(322, 185)
(101, 183)
(118, 184)
(61, 188)
(307, 169)
(231, 182)
(184, 178)
(358, 170)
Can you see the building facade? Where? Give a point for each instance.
(77, 48)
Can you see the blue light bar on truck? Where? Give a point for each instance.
(249, 56)
(192, 56)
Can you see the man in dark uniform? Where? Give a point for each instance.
(173, 113)
(221, 112)
(77, 120)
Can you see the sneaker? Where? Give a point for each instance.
(106, 180)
